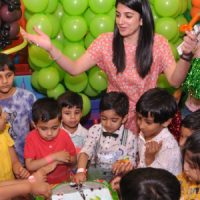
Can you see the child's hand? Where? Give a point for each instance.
(20, 172)
(115, 183)
(152, 148)
(62, 156)
(122, 167)
(80, 177)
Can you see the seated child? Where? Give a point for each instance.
(190, 178)
(10, 165)
(157, 146)
(71, 105)
(189, 124)
(17, 102)
(149, 183)
(48, 143)
(108, 141)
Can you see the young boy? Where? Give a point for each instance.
(108, 141)
(189, 124)
(71, 105)
(157, 146)
(10, 165)
(17, 102)
(47, 143)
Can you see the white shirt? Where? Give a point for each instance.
(169, 156)
(78, 137)
(104, 151)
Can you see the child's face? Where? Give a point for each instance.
(111, 121)
(48, 130)
(191, 171)
(148, 127)
(6, 80)
(185, 133)
(71, 117)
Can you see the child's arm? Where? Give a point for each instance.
(18, 169)
(152, 148)
(82, 165)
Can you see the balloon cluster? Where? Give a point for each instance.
(10, 13)
(72, 25)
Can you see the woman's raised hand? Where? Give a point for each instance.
(39, 39)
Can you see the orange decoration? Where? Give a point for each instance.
(196, 3)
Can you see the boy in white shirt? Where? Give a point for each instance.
(71, 105)
(157, 146)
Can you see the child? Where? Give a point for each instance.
(47, 143)
(108, 141)
(10, 165)
(71, 104)
(190, 178)
(17, 102)
(149, 183)
(190, 124)
(157, 146)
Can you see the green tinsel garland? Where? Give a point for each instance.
(191, 84)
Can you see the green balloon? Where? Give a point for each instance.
(101, 24)
(167, 27)
(36, 6)
(60, 37)
(74, 28)
(55, 25)
(180, 21)
(184, 6)
(86, 104)
(52, 6)
(32, 66)
(89, 16)
(39, 57)
(59, 12)
(89, 91)
(151, 2)
(174, 51)
(100, 6)
(74, 51)
(75, 7)
(88, 40)
(112, 13)
(76, 83)
(155, 15)
(68, 42)
(56, 92)
(166, 8)
(98, 79)
(57, 44)
(28, 14)
(35, 83)
(61, 71)
(40, 21)
(48, 77)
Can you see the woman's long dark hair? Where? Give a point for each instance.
(144, 54)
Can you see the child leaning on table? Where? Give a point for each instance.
(109, 142)
(9, 162)
(48, 143)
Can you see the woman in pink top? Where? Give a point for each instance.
(133, 56)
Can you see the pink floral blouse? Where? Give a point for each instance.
(129, 81)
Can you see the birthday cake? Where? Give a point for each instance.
(86, 191)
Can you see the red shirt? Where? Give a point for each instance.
(37, 148)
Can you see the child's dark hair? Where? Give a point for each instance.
(6, 61)
(193, 145)
(117, 101)
(157, 103)
(45, 109)
(149, 184)
(192, 121)
(70, 99)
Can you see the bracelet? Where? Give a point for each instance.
(81, 170)
(187, 57)
(48, 159)
(31, 179)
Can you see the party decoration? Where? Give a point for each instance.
(48, 78)
(88, 39)
(74, 28)
(75, 7)
(56, 92)
(86, 104)
(100, 6)
(76, 83)
(36, 6)
(52, 6)
(101, 24)
(89, 91)
(89, 16)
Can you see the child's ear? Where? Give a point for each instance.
(166, 124)
(124, 119)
